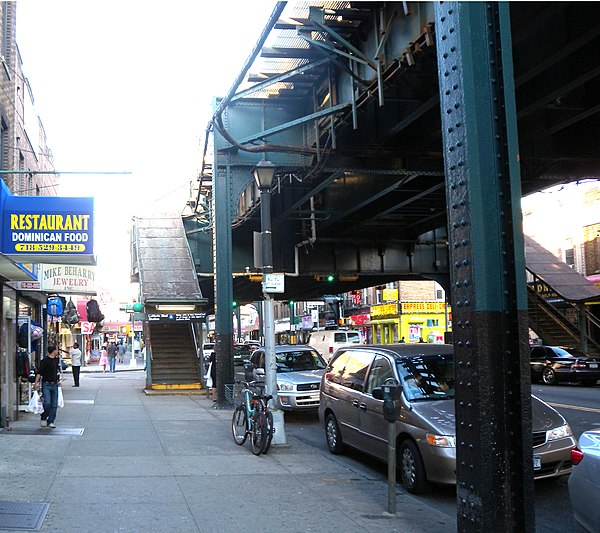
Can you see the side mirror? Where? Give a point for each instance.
(260, 372)
(377, 393)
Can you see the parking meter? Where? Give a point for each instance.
(391, 394)
(248, 371)
(391, 409)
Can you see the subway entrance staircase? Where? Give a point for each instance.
(564, 307)
(162, 264)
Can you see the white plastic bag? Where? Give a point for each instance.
(35, 404)
(209, 383)
(32, 403)
(61, 401)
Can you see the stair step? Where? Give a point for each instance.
(174, 358)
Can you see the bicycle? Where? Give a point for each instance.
(253, 417)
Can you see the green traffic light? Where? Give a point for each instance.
(234, 303)
(330, 277)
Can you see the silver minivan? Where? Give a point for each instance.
(352, 413)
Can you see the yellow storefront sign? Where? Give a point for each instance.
(423, 307)
(378, 311)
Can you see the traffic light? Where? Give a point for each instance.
(329, 278)
(291, 303)
(234, 304)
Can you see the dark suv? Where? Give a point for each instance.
(242, 353)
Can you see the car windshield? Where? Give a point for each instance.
(427, 377)
(570, 352)
(299, 360)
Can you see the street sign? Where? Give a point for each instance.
(274, 283)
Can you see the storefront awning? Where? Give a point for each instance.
(12, 271)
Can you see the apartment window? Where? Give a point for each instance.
(7, 34)
(570, 257)
(3, 144)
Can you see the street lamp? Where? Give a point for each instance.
(263, 176)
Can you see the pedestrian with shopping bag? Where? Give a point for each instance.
(48, 374)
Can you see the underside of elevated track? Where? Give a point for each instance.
(404, 135)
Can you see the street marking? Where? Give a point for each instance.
(575, 407)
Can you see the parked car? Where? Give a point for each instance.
(351, 411)
(299, 372)
(253, 344)
(327, 341)
(242, 353)
(584, 481)
(553, 364)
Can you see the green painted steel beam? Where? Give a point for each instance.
(358, 54)
(280, 78)
(288, 125)
(489, 307)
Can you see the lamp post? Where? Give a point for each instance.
(263, 176)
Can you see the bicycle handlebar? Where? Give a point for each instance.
(255, 385)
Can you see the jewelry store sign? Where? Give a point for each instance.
(75, 279)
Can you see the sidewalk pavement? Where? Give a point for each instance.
(122, 460)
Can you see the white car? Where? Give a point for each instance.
(327, 341)
(299, 372)
(584, 482)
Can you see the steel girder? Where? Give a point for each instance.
(493, 386)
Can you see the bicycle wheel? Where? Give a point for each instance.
(239, 425)
(270, 430)
(259, 432)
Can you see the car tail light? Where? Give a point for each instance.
(579, 365)
(331, 349)
(576, 456)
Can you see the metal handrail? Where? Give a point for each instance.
(567, 325)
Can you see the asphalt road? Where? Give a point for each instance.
(579, 405)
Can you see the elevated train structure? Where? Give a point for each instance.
(404, 135)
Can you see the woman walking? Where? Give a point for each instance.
(103, 358)
(75, 353)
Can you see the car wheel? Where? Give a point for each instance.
(549, 376)
(589, 382)
(333, 435)
(412, 470)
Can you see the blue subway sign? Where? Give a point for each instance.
(37, 228)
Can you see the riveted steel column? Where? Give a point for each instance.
(493, 403)
(222, 264)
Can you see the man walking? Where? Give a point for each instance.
(49, 374)
(75, 353)
(112, 356)
(121, 348)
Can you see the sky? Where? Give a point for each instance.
(128, 86)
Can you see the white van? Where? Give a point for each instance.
(327, 341)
